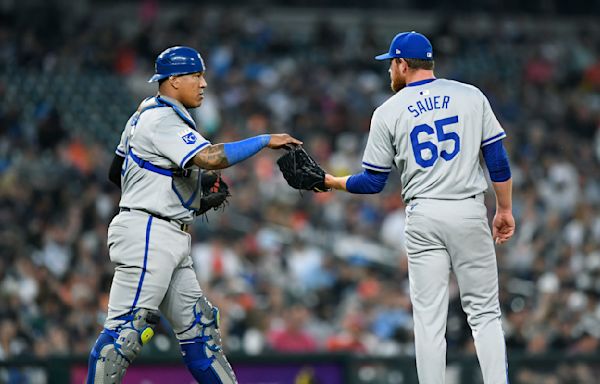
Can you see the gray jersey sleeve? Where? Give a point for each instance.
(379, 153)
(122, 147)
(492, 130)
(178, 143)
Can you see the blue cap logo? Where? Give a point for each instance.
(408, 45)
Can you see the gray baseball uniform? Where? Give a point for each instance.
(147, 239)
(433, 131)
(162, 138)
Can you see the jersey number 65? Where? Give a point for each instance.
(419, 147)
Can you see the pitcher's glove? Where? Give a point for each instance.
(214, 192)
(301, 171)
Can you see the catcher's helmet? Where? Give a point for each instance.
(177, 61)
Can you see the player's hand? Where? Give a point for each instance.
(280, 140)
(503, 226)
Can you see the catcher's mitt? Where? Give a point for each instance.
(214, 191)
(301, 171)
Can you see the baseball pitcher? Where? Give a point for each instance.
(157, 166)
(433, 130)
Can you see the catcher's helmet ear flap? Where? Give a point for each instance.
(177, 61)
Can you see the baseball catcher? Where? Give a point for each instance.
(159, 165)
(301, 171)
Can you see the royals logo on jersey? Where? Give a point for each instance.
(188, 137)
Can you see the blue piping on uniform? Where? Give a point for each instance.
(385, 169)
(420, 82)
(501, 134)
(192, 152)
(139, 288)
(186, 204)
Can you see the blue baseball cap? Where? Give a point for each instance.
(176, 61)
(408, 45)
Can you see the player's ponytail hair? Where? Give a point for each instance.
(420, 64)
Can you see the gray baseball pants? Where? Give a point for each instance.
(153, 270)
(444, 236)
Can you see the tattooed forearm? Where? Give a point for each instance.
(212, 157)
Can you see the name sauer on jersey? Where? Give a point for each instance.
(429, 104)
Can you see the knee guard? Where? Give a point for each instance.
(203, 354)
(115, 350)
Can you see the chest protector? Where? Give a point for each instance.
(185, 183)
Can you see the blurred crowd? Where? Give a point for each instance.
(301, 272)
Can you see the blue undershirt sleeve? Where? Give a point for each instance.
(496, 161)
(367, 182)
(241, 150)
